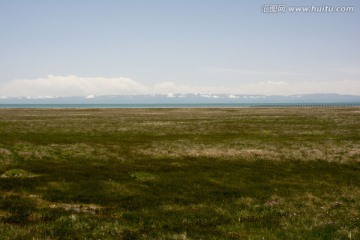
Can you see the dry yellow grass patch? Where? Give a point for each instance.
(324, 152)
(41, 203)
(190, 150)
(6, 157)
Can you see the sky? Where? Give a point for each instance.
(94, 47)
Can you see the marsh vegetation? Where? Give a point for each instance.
(269, 173)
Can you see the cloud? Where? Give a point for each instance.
(70, 86)
(65, 86)
(265, 87)
(292, 88)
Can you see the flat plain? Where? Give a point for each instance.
(236, 173)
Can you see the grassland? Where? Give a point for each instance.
(180, 173)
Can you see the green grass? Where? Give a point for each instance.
(17, 173)
(180, 173)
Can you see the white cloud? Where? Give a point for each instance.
(293, 88)
(84, 86)
(90, 96)
(70, 86)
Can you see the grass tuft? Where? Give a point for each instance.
(17, 173)
(143, 176)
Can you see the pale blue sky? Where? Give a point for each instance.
(193, 43)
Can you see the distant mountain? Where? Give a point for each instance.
(186, 99)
